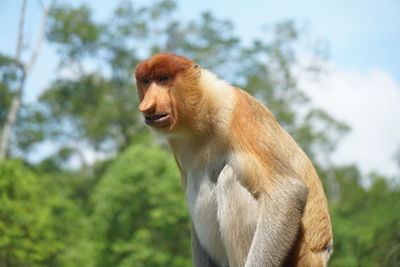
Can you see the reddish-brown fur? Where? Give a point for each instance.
(252, 130)
(279, 153)
(161, 65)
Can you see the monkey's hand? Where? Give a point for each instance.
(279, 215)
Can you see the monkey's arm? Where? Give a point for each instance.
(279, 215)
(200, 256)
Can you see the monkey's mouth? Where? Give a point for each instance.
(158, 120)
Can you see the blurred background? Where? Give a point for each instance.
(83, 182)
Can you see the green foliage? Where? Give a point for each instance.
(140, 216)
(27, 236)
(40, 218)
(366, 222)
(89, 106)
(73, 28)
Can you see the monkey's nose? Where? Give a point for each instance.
(147, 108)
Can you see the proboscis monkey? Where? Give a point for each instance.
(255, 198)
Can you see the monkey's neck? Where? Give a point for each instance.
(196, 152)
(206, 132)
(216, 105)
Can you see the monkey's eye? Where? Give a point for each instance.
(162, 78)
(145, 81)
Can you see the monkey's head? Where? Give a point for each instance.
(166, 85)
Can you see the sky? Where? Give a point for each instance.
(362, 87)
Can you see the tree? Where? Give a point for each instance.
(27, 234)
(139, 211)
(366, 230)
(24, 69)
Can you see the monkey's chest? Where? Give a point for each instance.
(201, 194)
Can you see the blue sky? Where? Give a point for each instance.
(362, 34)
(364, 41)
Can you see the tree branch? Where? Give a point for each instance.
(20, 31)
(42, 32)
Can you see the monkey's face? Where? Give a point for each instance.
(159, 80)
(156, 103)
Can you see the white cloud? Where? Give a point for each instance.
(370, 103)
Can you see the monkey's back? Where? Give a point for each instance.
(275, 147)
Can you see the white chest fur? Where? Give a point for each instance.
(201, 193)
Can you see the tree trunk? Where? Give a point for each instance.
(25, 68)
(16, 101)
(10, 120)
